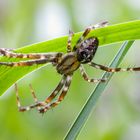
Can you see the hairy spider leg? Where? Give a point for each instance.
(29, 62)
(86, 78)
(56, 90)
(109, 69)
(88, 29)
(61, 97)
(69, 49)
(8, 53)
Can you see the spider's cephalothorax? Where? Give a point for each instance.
(82, 53)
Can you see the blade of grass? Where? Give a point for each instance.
(106, 35)
(91, 102)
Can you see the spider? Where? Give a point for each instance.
(66, 64)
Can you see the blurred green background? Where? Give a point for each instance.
(117, 115)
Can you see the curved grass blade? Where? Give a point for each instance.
(106, 35)
(91, 102)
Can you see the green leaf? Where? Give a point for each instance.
(91, 102)
(106, 35)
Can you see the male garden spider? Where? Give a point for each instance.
(82, 53)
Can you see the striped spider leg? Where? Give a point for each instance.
(87, 31)
(10, 54)
(86, 78)
(109, 69)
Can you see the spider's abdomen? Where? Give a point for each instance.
(87, 49)
(68, 64)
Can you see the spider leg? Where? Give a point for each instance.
(20, 108)
(8, 53)
(6, 49)
(56, 90)
(108, 69)
(60, 98)
(27, 108)
(88, 29)
(85, 76)
(17, 97)
(69, 41)
(29, 62)
(38, 104)
(33, 94)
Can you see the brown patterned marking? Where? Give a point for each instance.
(68, 64)
(135, 69)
